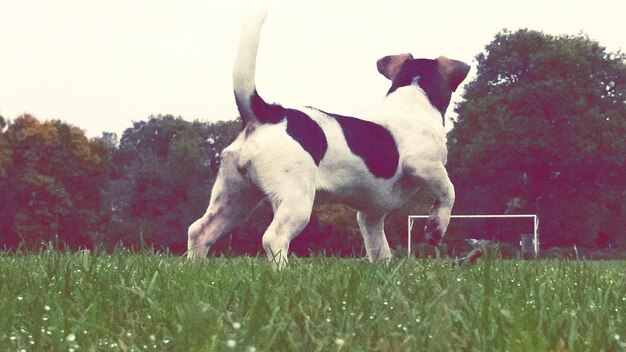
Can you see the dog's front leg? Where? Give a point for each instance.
(435, 175)
(372, 230)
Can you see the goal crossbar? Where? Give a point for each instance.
(535, 218)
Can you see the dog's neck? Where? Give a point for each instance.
(413, 100)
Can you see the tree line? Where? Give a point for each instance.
(58, 186)
(541, 129)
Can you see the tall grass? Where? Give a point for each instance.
(123, 301)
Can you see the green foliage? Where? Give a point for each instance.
(51, 177)
(543, 126)
(84, 301)
(162, 177)
(150, 185)
(4, 150)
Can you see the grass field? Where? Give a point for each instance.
(124, 301)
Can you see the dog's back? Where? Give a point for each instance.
(344, 149)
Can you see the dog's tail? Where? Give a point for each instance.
(244, 71)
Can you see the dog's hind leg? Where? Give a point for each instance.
(292, 211)
(373, 232)
(434, 174)
(232, 200)
(289, 185)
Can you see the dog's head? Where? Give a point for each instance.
(437, 78)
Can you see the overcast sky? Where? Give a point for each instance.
(102, 64)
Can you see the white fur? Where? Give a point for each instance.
(265, 162)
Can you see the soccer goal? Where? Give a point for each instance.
(531, 217)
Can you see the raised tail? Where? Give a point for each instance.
(244, 71)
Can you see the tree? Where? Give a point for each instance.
(7, 237)
(542, 128)
(51, 177)
(164, 169)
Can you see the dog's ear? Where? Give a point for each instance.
(452, 71)
(389, 66)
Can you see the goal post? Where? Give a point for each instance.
(534, 218)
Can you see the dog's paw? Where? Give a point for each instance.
(433, 232)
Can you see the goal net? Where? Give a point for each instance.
(518, 230)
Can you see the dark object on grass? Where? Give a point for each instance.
(470, 258)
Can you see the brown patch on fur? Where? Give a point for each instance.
(389, 66)
(452, 71)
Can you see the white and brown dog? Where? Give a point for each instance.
(374, 162)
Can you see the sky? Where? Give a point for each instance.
(100, 65)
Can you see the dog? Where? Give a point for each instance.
(373, 162)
